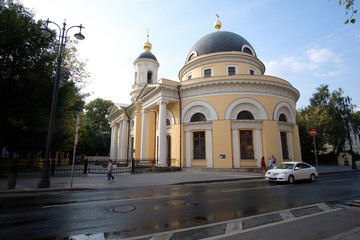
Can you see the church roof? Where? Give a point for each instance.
(221, 41)
(147, 55)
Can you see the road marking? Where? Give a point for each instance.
(234, 226)
(115, 200)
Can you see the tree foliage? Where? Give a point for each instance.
(349, 8)
(27, 67)
(326, 114)
(95, 129)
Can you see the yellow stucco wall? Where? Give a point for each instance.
(221, 131)
(271, 140)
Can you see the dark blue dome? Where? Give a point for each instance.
(147, 55)
(221, 41)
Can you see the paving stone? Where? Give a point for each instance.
(306, 211)
(261, 220)
(200, 233)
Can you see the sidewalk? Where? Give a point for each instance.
(126, 180)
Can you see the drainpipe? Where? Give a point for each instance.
(180, 120)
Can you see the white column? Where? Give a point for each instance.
(119, 142)
(162, 133)
(116, 140)
(209, 157)
(258, 146)
(188, 149)
(113, 141)
(236, 149)
(143, 136)
(124, 140)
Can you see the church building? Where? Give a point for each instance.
(223, 112)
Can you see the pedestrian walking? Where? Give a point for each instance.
(270, 163)
(263, 165)
(109, 169)
(273, 160)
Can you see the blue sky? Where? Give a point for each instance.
(302, 41)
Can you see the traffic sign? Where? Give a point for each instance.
(312, 132)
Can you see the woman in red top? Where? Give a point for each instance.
(263, 165)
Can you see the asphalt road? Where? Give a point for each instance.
(125, 213)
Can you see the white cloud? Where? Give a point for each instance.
(321, 56)
(288, 66)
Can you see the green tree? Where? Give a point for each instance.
(25, 79)
(27, 67)
(325, 114)
(95, 129)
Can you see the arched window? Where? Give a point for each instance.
(247, 50)
(198, 117)
(192, 56)
(149, 77)
(245, 115)
(168, 122)
(282, 118)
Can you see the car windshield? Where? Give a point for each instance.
(285, 166)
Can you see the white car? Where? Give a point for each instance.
(291, 171)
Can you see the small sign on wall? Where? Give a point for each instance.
(222, 156)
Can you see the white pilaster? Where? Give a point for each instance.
(236, 149)
(258, 147)
(162, 133)
(188, 149)
(143, 136)
(291, 147)
(209, 157)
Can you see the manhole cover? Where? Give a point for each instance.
(123, 209)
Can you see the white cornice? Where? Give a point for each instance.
(240, 86)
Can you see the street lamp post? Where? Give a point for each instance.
(346, 104)
(44, 181)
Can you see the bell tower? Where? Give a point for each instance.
(146, 69)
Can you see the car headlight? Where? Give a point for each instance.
(283, 174)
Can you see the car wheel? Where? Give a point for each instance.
(312, 178)
(291, 179)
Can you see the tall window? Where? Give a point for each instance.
(149, 77)
(199, 145)
(246, 144)
(252, 72)
(284, 145)
(135, 76)
(245, 115)
(231, 71)
(207, 73)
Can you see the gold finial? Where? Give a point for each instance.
(147, 45)
(217, 24)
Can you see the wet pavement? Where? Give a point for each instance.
(222, 230)
(127, 180)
